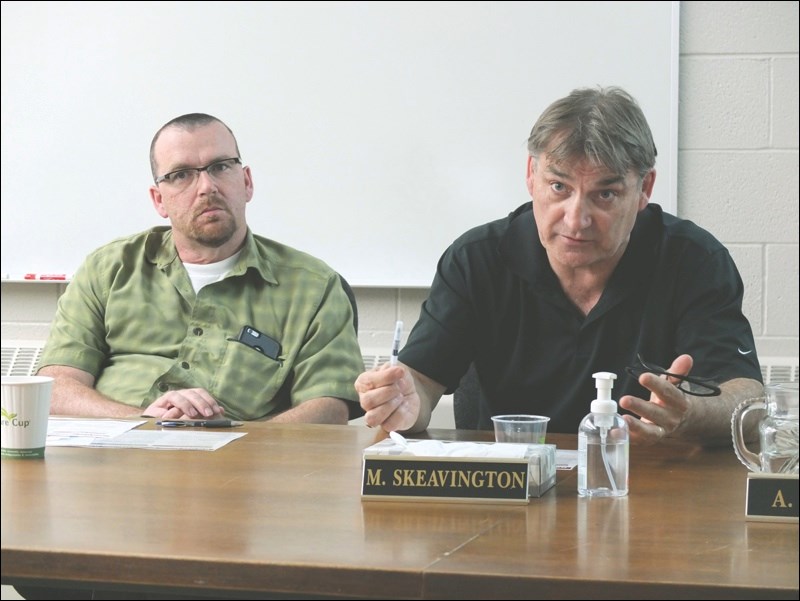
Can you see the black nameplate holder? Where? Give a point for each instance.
(390, 475)
(772, 497)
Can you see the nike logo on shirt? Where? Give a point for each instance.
(742, 352)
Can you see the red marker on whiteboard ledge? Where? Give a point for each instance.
(45, 276)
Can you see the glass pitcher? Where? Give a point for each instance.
(777, 431)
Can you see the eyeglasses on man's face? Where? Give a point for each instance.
(693, 385)
(181, 179)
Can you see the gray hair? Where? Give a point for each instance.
(189, 122)
(604, 125)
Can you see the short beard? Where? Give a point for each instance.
(215, 234)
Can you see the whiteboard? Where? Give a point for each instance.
(377, 132)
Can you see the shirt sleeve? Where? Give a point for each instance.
(330, 359)
(710, 322)
(441, 344)
(77, 333)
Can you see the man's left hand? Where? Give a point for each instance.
(667, 409)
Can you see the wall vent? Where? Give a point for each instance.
(778, 369)
(20, 358)
(773, 369)
(374, 360)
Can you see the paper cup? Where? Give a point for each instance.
(529, 429)
(26, 409)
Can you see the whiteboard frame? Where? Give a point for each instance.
(86, 84)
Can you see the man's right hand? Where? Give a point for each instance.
(389, 397)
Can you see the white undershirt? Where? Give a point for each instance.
(208, 273)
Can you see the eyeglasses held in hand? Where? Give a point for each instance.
(181, 179)
(694, 385)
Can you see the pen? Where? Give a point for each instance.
(199, 423)
(398, 332)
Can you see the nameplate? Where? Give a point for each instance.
(394, 477)
(772, 497)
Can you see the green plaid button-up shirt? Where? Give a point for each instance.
(131, 318)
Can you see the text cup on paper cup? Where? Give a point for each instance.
(26, 409)
(530, 429)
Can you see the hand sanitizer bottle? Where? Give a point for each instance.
(603, 443)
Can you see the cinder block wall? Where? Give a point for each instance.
(738, 174)
(738, 150)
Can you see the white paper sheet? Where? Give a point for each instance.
(120, 433)
(190, 440)
(79, 432)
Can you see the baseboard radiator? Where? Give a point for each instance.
(773, 369)
(20, 358)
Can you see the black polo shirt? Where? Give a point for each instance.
(496, 302)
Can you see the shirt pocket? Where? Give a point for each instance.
(248, 381)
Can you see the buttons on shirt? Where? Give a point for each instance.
(197, 331)
(185, 364)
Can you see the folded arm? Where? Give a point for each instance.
(74, 394)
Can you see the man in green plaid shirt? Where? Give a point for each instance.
(203, 318)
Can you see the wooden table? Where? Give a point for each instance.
(279, 511)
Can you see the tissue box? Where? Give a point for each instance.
(431, 470)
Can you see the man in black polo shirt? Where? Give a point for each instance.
(587, 277)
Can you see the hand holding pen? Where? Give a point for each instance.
(388, 396)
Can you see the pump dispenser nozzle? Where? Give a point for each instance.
(604, 382)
